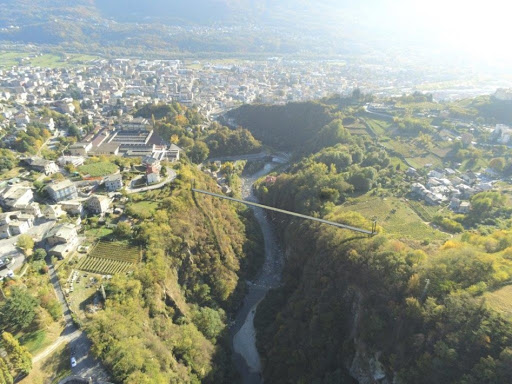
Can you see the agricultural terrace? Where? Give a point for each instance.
(396, 217)
(109, 258)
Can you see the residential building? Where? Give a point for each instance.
(61, 234)
(72, 207)
(74, 160)
(98, 204)
(65, 190)
(41, 165)
(80, 149)
(53, 212)
(113, 182)
(503, 133)
(16, 195)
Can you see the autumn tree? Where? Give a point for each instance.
(19, 357)
(26, 243)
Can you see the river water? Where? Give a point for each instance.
(245, 356)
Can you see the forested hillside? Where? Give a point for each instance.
(167, 322)
(284, 127)
(406, 305)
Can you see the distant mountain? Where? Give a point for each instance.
(195, 26)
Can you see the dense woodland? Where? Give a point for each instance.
(349, 303)
(167, 321)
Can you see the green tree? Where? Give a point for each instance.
(26, 243)
(123, 230)
(199, 152)
(5, 374)
(39, 254)
(497, 164)
(19, 309)
(209, 322)
(20, 358)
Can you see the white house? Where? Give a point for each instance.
(72, 207)
(16, 195)
(65, 190)
(98, 204)
(113, 182)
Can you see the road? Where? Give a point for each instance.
(378, 114)
(79, 345)
(171, 175)
(277, 157)
(254, 156)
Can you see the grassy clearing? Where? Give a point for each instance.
(97, 233)
(98, 169)
(426, 212)
(143, 208)
(421, 161)
(15, 172)
(395, 216)
(52, 369)
(48, 60)
(84, 292)
(357, 128)
(501, 300)
(380, 127)
(42, 338)
(398, 161)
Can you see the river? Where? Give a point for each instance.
(245, 354)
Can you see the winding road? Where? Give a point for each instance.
(79, 345)
(171, 175)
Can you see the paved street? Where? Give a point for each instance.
(79, 345)
(171, 175)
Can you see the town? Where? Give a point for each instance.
(90, 152)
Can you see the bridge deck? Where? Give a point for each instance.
(355, 229)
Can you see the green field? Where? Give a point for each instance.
(420, 161)
(143, 208)
(501, 300)
(47, 60)
(109, 258)
(380, 127)
(395, 216)
(426, 212)
(98, 169)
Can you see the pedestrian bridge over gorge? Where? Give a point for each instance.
(332, 223)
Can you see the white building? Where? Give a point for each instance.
(98, 204)
(113, 182)
(16, 195)
(65, 190)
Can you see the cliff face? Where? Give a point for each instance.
(310, 329)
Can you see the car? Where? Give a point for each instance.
(10, 273)
(73, 362)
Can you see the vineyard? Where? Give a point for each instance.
(109, 258)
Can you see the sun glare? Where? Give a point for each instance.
(478, 28)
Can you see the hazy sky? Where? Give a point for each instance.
(479, 29)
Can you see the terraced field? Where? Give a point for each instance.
(109, 258)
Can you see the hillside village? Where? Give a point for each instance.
(52, 212)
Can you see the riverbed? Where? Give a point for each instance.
(245, 354)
